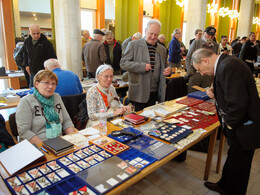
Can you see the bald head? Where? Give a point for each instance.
(85, 34)
(137, 36)
(35, 31)
(51, 64)
(161, 38)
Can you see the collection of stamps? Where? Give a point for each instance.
(37, 179)
(47, 175)
(113, 170)
(84, 158)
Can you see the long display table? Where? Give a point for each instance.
(211, 132)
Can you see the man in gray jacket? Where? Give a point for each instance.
(144, 59)
(205, 42)
(94, 54)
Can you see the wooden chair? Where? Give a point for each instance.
(13, 127)
(125, 100)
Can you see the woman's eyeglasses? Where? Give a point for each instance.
(47, 84)
(107, 76)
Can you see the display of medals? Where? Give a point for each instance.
(110, 145)
(189, 101)
(207, 106)
(171, 133)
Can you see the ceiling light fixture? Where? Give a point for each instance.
(212, 8)
(181, 3)
(233, 14)
(223, 11)
(160, 1)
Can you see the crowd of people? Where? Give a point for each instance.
(147, 62)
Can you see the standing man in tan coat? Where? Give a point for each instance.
(94, 54)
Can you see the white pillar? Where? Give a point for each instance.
(3, 82)
(68, 39)
(17, 20)
(196, 18)
(245, 18)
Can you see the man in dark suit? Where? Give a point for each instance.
(36, 49)
(238, 107)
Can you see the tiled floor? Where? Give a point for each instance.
(186, 178)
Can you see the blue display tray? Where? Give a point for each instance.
(199, 95)
(170, 133)
(24, 93)
(37, 179)
(53, 175)
(72, 184)
(152, 147)
(108, 174)
(136, 158)
(125, 138)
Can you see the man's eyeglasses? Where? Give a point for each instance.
(47, 84)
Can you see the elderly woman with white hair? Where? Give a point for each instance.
(103, 96)
(175, 49)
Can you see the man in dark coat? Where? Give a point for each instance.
(248, 51)
(37, 49)
(238, 107)
(237, 46)
(113, 51)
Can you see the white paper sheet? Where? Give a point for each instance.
(19, 156)
(89, 131)
(76, 138)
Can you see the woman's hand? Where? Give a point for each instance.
(119, 111)
(122, 110)
(70, 130)
(127, 108)
(35, 140)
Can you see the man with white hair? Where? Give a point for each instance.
(145, 60)
(68, 81)
(238, 107)
(136, 36)
(37, 49)
(94, 54)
